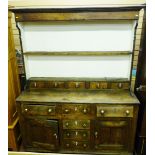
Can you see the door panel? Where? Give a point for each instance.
(111, 135)
(41, 134)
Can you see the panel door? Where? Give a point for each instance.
(111, 135)
(41, 134)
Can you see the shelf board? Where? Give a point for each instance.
(72, 53)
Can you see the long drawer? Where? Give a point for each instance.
(29, 109)
(114, 111)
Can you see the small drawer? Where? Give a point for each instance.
(76, 124)
(98, 85)
(46, 84)
(76, 145)
(38, 109)
(70, 109)
(76, 85)
(121, 85)
(76, 134)
(114, 111)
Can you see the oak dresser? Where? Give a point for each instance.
(79, 95)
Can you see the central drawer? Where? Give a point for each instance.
(47, 110)
(76, 124)
(76, 145)
(76, 109)
(76, 134)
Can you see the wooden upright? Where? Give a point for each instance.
(13, 92)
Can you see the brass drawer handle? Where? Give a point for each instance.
(76, 143)
(68, 134)
(67, 145)
(84, 145)
(66, 111)
(96, 134)
(55, 135)
(84, 125)
(102, 111)
(127, 112)
(26, 110)
(50, 110)
(84, 135)
(85, 110)
(98, 85)
(66, 124)
(77, 85)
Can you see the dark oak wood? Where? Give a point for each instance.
(14, 136)
(78, 115)
(25, 17)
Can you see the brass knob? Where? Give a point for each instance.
(67, 145)
(102, 111)
(66, 110)
(25, 109)
(84, 110)
(84, 135)
(49, 110)
(68, 134)
(84, 145)
(127, 112)
(66, 124)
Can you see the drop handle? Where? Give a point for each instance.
(96, 134)
(98, 85)
(84, 125)
(102, 111)
(77, 85)
(68, 134)
(55, 135)
(127, 112)
(84, 145)
(76, 143)
(66, 111)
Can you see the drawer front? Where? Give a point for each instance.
(70, 109)
(38, 109)
(76, 134)
(114, 111)
(46, 84)
(76, 145)
(76, 124)
(121, 85)
(76, 85)
(98, 85)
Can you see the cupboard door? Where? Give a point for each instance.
(111, 135)
(41, 134)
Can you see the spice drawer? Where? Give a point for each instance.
(46, 110)
(114, 111)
